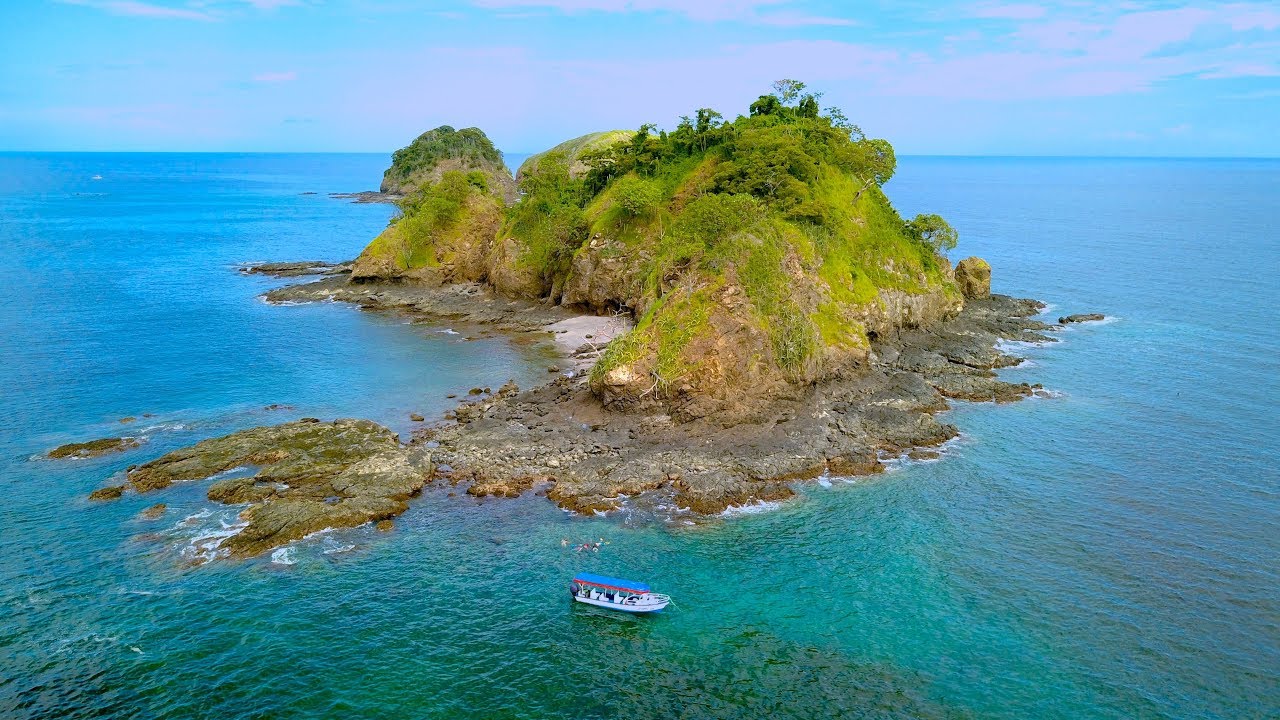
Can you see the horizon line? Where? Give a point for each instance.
(1035, 156)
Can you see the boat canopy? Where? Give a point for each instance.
(610, 583)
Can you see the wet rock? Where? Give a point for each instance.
(111, 492)
(1081, 317)
(127, 420)
(475, 391)
(309, 476)
(415, 417)
(592, 460)
(95, 448)
(277, 406)
(973, 276)
(296, 269)
(384, 525)
(153, 512)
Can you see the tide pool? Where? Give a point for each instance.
(1108, 552)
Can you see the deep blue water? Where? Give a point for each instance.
(1111, 552)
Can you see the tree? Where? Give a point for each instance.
(933, 231)
(787, 91)
(636, 196)
(766, 105)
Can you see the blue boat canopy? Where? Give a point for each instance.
(611, 583)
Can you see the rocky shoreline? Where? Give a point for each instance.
(561, 439)
(588, 459)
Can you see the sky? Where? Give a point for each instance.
(950, 78)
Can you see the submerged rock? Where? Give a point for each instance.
(95, 448)
(153, 512)
(311, 475)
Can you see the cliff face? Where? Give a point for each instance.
(757, 256)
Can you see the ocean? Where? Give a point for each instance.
(1112, 551)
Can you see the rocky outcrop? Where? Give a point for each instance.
(591, 459)
(111, 492)
(435, 152)
(603, 277)
(297, 268)
(973, 276)
(95, 448)
(1081, 317)
(309, 475)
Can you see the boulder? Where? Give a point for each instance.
(1081, 317)
(973, 275)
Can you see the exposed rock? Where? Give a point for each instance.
(1081, 317)
(973, 275)
(310, 476)
(560, 436)
(368, 197)
(508, 389)
(95, 448)
(415, 417)
(153, 512)
(111, 492)
(384, 525)
(297, 268)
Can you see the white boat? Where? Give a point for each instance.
(616, 594)
(96, 177)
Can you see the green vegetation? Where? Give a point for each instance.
(470, 146)
(771, 228)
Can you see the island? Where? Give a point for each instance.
(740, 305)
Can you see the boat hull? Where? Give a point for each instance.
(652, 607)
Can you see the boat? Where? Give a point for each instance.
(616, 594)
(96, 177)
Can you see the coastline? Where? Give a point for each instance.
(559, 440)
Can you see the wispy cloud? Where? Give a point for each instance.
(760, 12)
(1007, 11)
(275, 77)
(203, 10)
(133, 8)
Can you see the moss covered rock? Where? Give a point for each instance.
(308, 476)
(95, 448)
(973, 276)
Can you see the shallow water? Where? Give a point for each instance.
(1111, 552)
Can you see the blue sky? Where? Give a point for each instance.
(987, 77)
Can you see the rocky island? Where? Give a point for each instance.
(747, 310)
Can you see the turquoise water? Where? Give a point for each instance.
(1111, 552)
